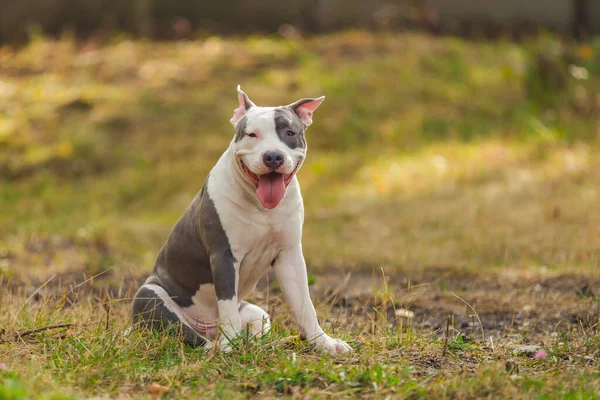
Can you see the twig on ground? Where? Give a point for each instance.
(388, 295)
(85, 281)
(475, 312)
(44, 328)
(446, 337)
(107, 309)
(34, 293)
(21, 335)
(339, 289)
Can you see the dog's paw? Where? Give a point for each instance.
(331, 345)
(223, 345)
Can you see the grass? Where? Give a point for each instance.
(455, 181)
(100, 355)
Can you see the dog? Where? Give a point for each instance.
(247, 217)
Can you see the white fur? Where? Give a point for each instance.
(204, 313)
(230, 320)
(256, 319)
(261, 121)
(258, 236)
(169, 303)
(290, 270)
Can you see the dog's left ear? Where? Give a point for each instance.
(245, 105)
(304, 108)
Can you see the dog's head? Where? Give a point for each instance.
(269, 145)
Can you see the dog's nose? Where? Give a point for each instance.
(273, 159)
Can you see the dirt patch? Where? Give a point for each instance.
(505, 303)
(499, 304)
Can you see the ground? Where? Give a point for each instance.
(452, 221)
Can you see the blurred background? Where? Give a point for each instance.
(452, 187)
(179, 18)
(456, 133)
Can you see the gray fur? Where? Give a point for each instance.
(196, 252)
(286, 120)
(240, 129)
(243, 305)
(150, 312)
(221, 259)
(183, 263)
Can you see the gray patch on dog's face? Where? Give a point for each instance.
(287, 122)
(240, 129)
(215, 240)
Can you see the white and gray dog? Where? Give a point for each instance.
(247, 217)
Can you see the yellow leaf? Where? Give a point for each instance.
(65, 149)
(585, 52)
(157, 391)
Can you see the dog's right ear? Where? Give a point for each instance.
(245, 105)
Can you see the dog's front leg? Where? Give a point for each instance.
(290, 270)
(225, 277)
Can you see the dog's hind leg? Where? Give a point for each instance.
(153, 308)
(255, 318)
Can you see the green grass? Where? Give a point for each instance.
(456, 180)
(106, 359)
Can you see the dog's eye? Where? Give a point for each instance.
(290, 133)
(252, 134)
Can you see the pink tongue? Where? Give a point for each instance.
(271, 189)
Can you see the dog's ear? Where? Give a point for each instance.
(245, 105)
(304, 108)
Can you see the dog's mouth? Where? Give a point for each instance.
(253, 177)
(270, 188)
(256, 179)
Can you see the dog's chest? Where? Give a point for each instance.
(255, 263)
(255, 236)
(255, 246)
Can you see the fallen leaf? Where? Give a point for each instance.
(402, 312)
(586, 52)
(529, 350)
(157, 391)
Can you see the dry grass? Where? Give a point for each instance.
(397, 326)
(481, 213)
